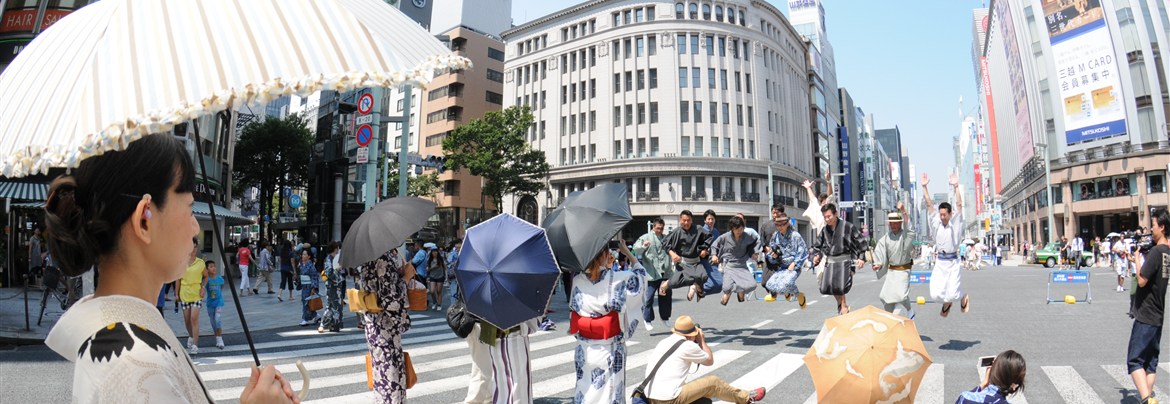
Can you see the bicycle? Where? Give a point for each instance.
(55, 288)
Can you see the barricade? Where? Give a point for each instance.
(1070, 278)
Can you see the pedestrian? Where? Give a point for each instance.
(436, 276)
(1149, 306)
(384, 330)
(893, 258)
(1120, 260)
(1002, 379)
(603, 315)
(36, 255)
(419, 260)
(816, 219)
(840, 246)
(287, 277)
(244, 258)
(653, 256)
(310, 282)
(1077, 250)
(999, 254)
(732, 251)
(946, 227)
(714, 282)
(191, 293)
(1065, 252)
(452, 263)
(1107, 252)
(265, 266)
(767, 230)
(788, 253)
(685, 347)
(331, 318)
(130, 210)
(500, 364)
(214, 301)
(687, 245)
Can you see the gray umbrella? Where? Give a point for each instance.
(384, 227)
(584, 224)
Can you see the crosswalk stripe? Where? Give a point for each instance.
(300, 353)
(566, 382)
(790, 311)
(1120, 374)
(722, 357)
(1017, 398)
(771, 373)
(313, 331)
(1071, 387)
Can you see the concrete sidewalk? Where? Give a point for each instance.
(263, 312)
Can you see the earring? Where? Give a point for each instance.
(146, 213)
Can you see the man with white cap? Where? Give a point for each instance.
(946, 226)
(893, 258)
(686, 346)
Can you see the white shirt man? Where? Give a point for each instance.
(667, 384)
(946, 226)
(1077, 245)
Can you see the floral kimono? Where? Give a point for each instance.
(603, 315)
(384, 330)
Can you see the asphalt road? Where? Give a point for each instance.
(1075, 353)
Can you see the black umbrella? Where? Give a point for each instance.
(383, 228)
(584, 224)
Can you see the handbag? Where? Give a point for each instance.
(361, 301)
(411, 377)
(315, 303)
(639, 395)
(460, 321)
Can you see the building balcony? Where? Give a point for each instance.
(694, 196)
(725, 196)
(801, 205)
(750, 197)
(785, 200)
(651, 196)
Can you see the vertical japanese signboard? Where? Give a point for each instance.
(1082, 52)
(1007, 28)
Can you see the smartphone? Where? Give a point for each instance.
(985, 362)
(614, 245)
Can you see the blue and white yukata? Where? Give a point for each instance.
(601, 364)
(790, 249)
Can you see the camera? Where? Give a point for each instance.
(614, 245)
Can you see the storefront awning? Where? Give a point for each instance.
(230, 217)
(23, 191)
(29, 205)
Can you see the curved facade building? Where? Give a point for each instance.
(690, 104)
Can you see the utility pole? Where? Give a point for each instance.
(1043, 151)
(405, 143)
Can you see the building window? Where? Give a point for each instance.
(639, 15)
(723, 79)
(742, 19)
(738, 86)
(735, 48)
(651, 45)
(694, 8)
(722, 46)
(707, 12)
(650, 13)
(640, 46)
(1156, 182)
(751, 121)
(543, 97)
(682, 44)
(679, 8)
(747, 82)
(731, 15)
(653, 78)
(495, 98)
(719, 13)
(686, 151)
(617, 83)
(581, 122)
(727, 149)
(696, 76)
(710, 45)
(694, 44)
(592, 121)
(698, 112)
(615, 48)
(653, 112)
(654, 153)
(726, 113)
(752, 154)
(495, 76)
(592, 88)
(641, 79)
(572, 124)
(563, 128)
(628, 44)
(714, 112)
(542, 127)
(629, 114)
(684, 111)
(711, 78)
(746, 51)
(682, 77)
(592, 56)
(617, 20)
(496, 54)
(629, 81)
(698, 146)
(617, 116)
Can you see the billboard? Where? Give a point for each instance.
(1007, 28)
(1082, 53)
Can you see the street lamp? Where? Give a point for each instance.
(1042, 149)
(385, 164)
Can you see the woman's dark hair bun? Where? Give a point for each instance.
(66, 233)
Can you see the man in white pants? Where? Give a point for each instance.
(946, 226)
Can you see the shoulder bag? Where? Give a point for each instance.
(460, 321)
(639, 395)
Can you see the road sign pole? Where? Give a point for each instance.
(405, 143)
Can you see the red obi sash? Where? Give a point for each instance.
(604, 327)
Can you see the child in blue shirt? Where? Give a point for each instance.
(214, 301)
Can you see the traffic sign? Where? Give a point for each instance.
(363, 155)
(364, 135)
(364, 119)
(366, 103)
(294, 201)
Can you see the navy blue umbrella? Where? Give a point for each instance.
(506, 271)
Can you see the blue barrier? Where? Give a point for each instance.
(920, 277)
(1070, 278)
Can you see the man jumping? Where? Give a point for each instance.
(946, 227)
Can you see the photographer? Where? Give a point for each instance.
(687, 346)
(1149, 303)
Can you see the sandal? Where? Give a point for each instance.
(740, 297)
(725, 299)
(691, 293)
(965, 304)
(946, 309)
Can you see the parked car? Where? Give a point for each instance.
(1050, 256)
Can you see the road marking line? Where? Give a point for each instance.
(313, 331)
(1071, 387)
(770, 373)
(1017, 398)
(320, 339)
(1118, 372)
(930, 391)
(790, 311)
(810, 303)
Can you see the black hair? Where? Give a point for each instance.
(829, 207)
(779, 207)
(945, 205)
(659, 221)
(1008, 371)
(686, 213)
(244, 242)
(85, 212)
(709, 212)
(209, 263)
(333, 245)
(735, 222)
(1162, 217)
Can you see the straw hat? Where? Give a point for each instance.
(894, 217)
(684, 326)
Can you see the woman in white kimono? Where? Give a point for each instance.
(605, 310)
(128, 213)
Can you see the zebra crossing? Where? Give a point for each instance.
(336, 364)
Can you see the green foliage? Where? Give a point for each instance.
(422, 186)
(496, 148)
(271, 154)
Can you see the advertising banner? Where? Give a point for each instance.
(1007, 29)
(1082, 52)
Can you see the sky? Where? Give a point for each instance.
(908, 66)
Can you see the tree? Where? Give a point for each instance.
(496, 148)
(273, 154)
(424, 186)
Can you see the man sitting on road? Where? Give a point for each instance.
(666, 385)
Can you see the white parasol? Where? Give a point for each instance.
(116, 70)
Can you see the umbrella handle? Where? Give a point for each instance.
(305, 378)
